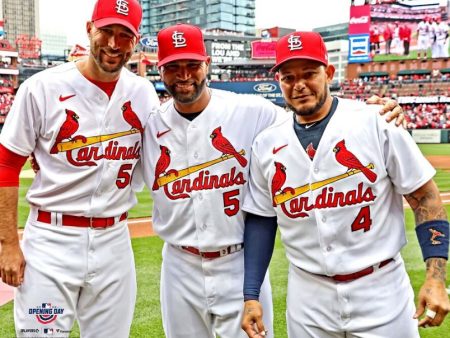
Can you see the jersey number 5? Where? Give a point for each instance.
(363, 220)
(124, 175)
(231, 202)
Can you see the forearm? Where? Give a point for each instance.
(259, 240)
(436, 269)
(426, 203)
(8, 219)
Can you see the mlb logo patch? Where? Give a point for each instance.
(46, 305)
(48, 331)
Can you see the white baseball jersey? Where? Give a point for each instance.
(422, 39)
(196, 171)
(342, 211)
(87, 145)
(202, 167)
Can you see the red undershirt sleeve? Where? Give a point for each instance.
(10, 166)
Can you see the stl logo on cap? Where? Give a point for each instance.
(122, 7)
(294, 42)
(178, 39)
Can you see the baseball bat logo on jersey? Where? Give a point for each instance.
(222, 144)
(177, 184)
(161, 165)
(349, 160)
(46, 313)
(88, 154)
(293, 205)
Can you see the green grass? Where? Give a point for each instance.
(435, 149)
(147, 319)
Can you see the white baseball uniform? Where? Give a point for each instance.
(341, 214)
(422, 38)
(88, 148)
(196, 171)
(442, 31)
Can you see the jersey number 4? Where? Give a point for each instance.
(363, 220)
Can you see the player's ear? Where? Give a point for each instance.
(330, 72)
(89, 25)
(277, 76)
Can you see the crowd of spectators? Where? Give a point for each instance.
(434, 84)
(427, 115)
(6, 101)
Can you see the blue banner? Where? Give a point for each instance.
(359, 48)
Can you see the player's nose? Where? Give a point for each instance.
(183, 73)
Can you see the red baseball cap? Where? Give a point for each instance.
(180, 42)
(127, 13)
(300, 45)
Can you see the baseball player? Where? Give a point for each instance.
(333, 179)
(423, 29)
(442, 32)
(83, 122)
(196, 162)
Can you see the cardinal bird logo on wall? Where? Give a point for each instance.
(349, 160)
(222, 144)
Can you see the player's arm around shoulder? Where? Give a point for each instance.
(432, 229)
(390, 109)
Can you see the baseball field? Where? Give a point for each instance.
(147, 250)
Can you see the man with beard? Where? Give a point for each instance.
(82, 120)
(340, 211)
(196, 160)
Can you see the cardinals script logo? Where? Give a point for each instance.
(88, 153)
(294, 205)
(177, 184)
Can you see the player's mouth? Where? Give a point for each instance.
(184, 85)
(301, 97)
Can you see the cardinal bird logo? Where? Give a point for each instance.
(347, 159)
(278, 179)
(68, 128)
(130, 116)
(221, 143)
(161, 165)
(434, 235)
(310, 151)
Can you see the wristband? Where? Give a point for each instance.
(433, 238)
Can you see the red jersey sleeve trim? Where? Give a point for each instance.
(10, 166)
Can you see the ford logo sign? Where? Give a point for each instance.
(264, 88)
(149, 42)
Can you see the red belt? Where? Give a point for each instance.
(81, 221)
(213, 254)
(361, 273)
